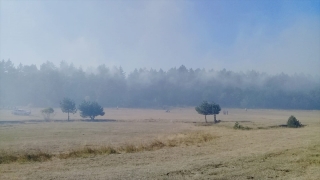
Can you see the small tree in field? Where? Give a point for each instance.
(68, 106)
(47, 113)
(215, 110)
(90, 109)
(206, 108)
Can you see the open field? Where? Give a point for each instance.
(185, 147)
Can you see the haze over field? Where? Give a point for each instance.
(111, 87)
(266, 36)
(159, 89)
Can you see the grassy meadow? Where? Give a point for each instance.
(154, 144)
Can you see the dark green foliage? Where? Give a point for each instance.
(68, 106)
(238, 126)
(293, 122)
(206, 108)
(49, 110)
(47, 113)
(90, 109)
(21, 85)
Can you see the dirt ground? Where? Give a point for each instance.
(264, 152)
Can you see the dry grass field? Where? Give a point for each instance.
(153, 144)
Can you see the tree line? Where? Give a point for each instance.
(22, 85)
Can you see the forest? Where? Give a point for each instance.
(27, 85)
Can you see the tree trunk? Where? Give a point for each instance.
(215, 120)
(205, 117)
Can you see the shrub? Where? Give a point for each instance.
(293, 122)
(238, 126)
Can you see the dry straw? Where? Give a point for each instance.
(184, 139)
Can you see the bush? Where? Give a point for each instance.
(293, 122)
(238, 126)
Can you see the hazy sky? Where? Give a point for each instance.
(265, 35)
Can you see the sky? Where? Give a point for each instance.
(271, 36)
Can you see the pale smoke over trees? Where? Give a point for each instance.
(111, 87)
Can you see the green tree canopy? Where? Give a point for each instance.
(47, 113)
(206, 108)
(90, 109)
(68, 106)
(27, 84)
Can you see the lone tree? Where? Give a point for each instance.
(90, 109)
(208, 109)
(68, 106)
(47, 113)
